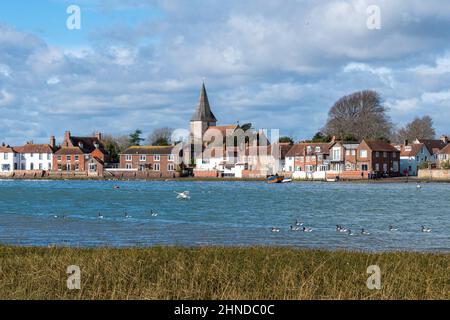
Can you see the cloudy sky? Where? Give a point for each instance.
(275, 63)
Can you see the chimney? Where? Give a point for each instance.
(52, 142)
(333, 139)
(98, 135)
(406, 142)
(67, 136)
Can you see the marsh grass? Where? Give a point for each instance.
(219, 273)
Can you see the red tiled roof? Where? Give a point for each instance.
(34, 148)
(411, 150)
(433, 145)
(148, 150)
(445, 150)
(6, 149)
(381, 146)
(87, 144)
(69, 151)
(299, 149)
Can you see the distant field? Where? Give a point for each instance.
(220, 273)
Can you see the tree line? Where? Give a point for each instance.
(362, 115)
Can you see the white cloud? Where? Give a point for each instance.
(6, 98)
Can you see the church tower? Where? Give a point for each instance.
(202, 119)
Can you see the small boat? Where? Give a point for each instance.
(275, 179)
(332, 179)
(286, 181)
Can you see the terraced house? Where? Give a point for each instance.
(8, 159)
(153, 161)
(33, 157)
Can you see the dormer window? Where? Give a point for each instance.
(80, 144)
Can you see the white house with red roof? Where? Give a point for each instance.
(32, 157)
(8, 159)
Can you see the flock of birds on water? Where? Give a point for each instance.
(298, 225)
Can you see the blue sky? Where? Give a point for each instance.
(275, 63)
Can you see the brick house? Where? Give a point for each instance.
(343, 156)
(154, 160)
(310, 157)
(378, 158)
(81, 155)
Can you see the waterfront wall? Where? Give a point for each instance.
(206, 173)
(434, 174)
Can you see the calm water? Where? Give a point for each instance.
(224, 213)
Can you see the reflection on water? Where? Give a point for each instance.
(45, 213)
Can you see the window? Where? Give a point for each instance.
(385, 154)
(69, 158)
(157, 157)
(385, 167)
(49, 156)
(142, 167)
(31, 155)
(170, 167)
(347, 152)
(318, 149)
(128, 166)
(364, 167)
(143, 157)
(59, 158)
(363, 153)
(377, 154)
(59, 167)
(336, 154)
(156, 167)
(49, 166)
(41, 156)
(32, 166)
(77, 167)
(40, 166)
(377, 167)
(128, 157)
(77, 158)
(22, 166)
(69, 167)
(5, 156)
(353, 152)
(394, 155)
(170, 157)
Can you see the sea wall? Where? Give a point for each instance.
(434, 174)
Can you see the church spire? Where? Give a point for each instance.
(203, 110)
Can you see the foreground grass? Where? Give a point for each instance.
(219, 273)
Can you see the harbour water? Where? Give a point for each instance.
(65, 213)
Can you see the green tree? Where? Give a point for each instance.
(135, 138)
(286, 139)
(320, 137)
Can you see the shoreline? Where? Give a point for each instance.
(231, 273)
(203, 179)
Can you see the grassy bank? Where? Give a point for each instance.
(219, 273)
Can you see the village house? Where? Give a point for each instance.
(434, 146)
(308, 160)
(378, 159)
(343, 156)
(412, 156)
(444, 157)
(8, 159)
(155, 161)
(33, 157)
(81, 155)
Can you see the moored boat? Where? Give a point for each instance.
(275, 179)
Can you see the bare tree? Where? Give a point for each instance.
(357, 116)
(419, 128)
(160, 137)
